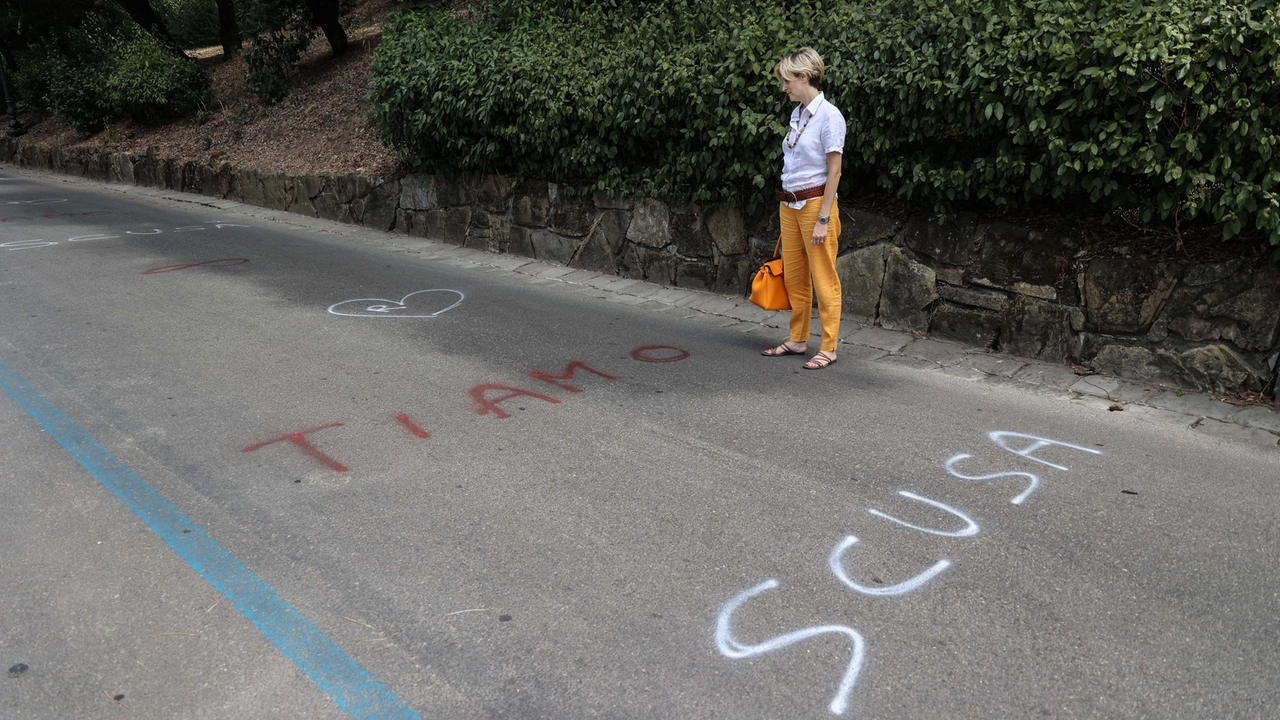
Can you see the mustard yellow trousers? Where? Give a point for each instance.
(808, 269)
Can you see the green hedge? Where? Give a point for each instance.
(1168, 112)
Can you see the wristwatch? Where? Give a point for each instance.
(824, 219)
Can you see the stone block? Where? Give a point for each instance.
(450, 224)
(208, 181)
(144, 169)
(910, 288)
(613, 228)
(170, 174)
(328, 206)
(734, 275)
(728, 230)
(1025, 261)
(989, 299)
(650, 224)
(277, 191)
(979, 328)
(692, 240)
(765, 231)
(411, 222)
(1208, 274)
(531, 204)
(380, 204)
(1252, 318)
(951, 243)
(493, 193)
(113, 167)
(950, 276)
(301, 203)
(861, 280)
(190, 177)
(418, 192)
(695, 275)
(451, 190)
(350, 187)
(310, 186)
(595, 255)
(1239, 305)
(521, 242)
(1217, 368)
(553, 247)
(478, 239)
(859, 228)
(499, 233)
(1132, 362)
(246, 186)
(643, 263)
(350, 212)
(1125, 295)
(1038, 329)
(569, 215)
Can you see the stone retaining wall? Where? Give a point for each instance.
(1213, 327)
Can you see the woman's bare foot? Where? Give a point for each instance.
(786, 348)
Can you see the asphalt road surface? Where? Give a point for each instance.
(251, 471)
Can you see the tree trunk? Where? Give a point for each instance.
(144, 15)
(228, 30)
(325, 13)
(8, 55)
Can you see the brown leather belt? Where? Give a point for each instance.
(805, 194)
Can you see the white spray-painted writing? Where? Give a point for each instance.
(731, 648)
(383, 307)
(970, 528)
(27, 244)
(836, 562)
(24, 244)
(1031, 486)
(998, 437)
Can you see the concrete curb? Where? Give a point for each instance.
(1196, 412)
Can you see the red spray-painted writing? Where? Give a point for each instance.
(223, 262)
(411, 426)
(491, 406)
(644, 353)
(300, 439)
(568, 375)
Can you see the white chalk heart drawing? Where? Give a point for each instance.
(378, 307)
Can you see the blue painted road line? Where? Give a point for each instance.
(354, 690)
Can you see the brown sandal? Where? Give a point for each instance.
(820, 361)
(782, 351)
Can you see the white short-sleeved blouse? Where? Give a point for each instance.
(805, 165)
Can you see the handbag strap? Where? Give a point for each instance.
(777, 249)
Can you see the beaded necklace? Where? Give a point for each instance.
(791, 144)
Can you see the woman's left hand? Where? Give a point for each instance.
(819, 233)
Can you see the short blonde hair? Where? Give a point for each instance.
(806, 61)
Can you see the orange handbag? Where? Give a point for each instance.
(768, 290)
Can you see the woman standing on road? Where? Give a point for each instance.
(810, 217)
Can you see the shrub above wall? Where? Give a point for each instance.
(1165, 113)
